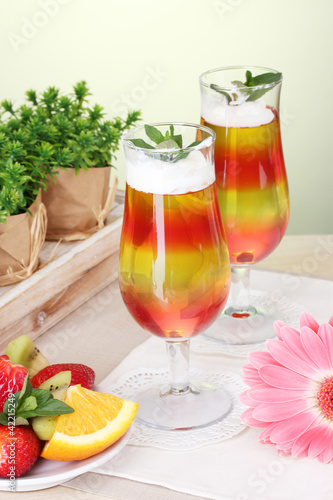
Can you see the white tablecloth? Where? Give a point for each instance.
(239, 468)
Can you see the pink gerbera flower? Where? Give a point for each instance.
(291, 390)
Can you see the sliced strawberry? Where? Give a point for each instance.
(19, 449)
(12, 377)
(81, 374)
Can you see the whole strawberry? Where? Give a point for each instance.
(19, 449)
(81, 374)
(12, 378)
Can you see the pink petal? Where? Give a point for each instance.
(247, 418)
(291, 428)
(277, 327)
(326, 455)
(284, 449)
(284, 453)
(274, 412)
(251, 375)
(246, 400)
(315, 348)
(267, 394)
(283, 378)
(292, 339)
(265, 436)
(261, 358)
(287, 446)
(290, 360)
(331, 321)
(325, 334)
(311, 442)
(319, 443)
(302, 452)
(307, 320)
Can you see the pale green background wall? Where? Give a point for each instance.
(148, 54)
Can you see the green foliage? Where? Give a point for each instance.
(167, 141)
(29, 403)
(21, 175)
(261, 82)
(52, 131)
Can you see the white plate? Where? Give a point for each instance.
(48, 473)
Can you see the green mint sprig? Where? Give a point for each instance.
(230, 96)
(245, 87)
(30, 402)
(167, 141)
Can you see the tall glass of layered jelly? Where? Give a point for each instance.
(174, 270)
(250, 171)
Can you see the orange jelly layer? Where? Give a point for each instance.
(174, 262)
(252, 189)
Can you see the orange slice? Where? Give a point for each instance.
(99, 420)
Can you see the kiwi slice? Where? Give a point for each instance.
(44, 427)
(58, 384)
(23, 351)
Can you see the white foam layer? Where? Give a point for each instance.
(150, 175)
(216, 110)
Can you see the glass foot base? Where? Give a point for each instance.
(242, 327)
(201, 406)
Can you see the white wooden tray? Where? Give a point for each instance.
(77, 271)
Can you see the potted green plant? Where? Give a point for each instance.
(22, 215)
(81, 145)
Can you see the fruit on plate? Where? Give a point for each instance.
(29, 403)
(98, 421)
(81, 374)
(57, 384)
(12, 376)
(44, 426)
(19, 449)
(37, 396)
(23, 350)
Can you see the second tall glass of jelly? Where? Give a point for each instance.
(241, 105)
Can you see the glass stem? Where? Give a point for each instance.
(240, 287)
(178, 355)
(240, 294)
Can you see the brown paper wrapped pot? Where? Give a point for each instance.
(74, 202)
(21, 238)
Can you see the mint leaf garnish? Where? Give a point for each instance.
(30, 402)
(178, 139)
(53, 407)
(3, 419)
(42, 396)
(140, 143)
(245, 87)
(255, 81)
(25, 391)
(248, 76)
(181, 156)
(221, 91)
(167, 141)
(154, 134)
(168, 144)
(265, 79)
(256, 94)
(238, 83)
(10, 404)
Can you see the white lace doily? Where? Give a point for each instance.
(135, 381)
(290, 313)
